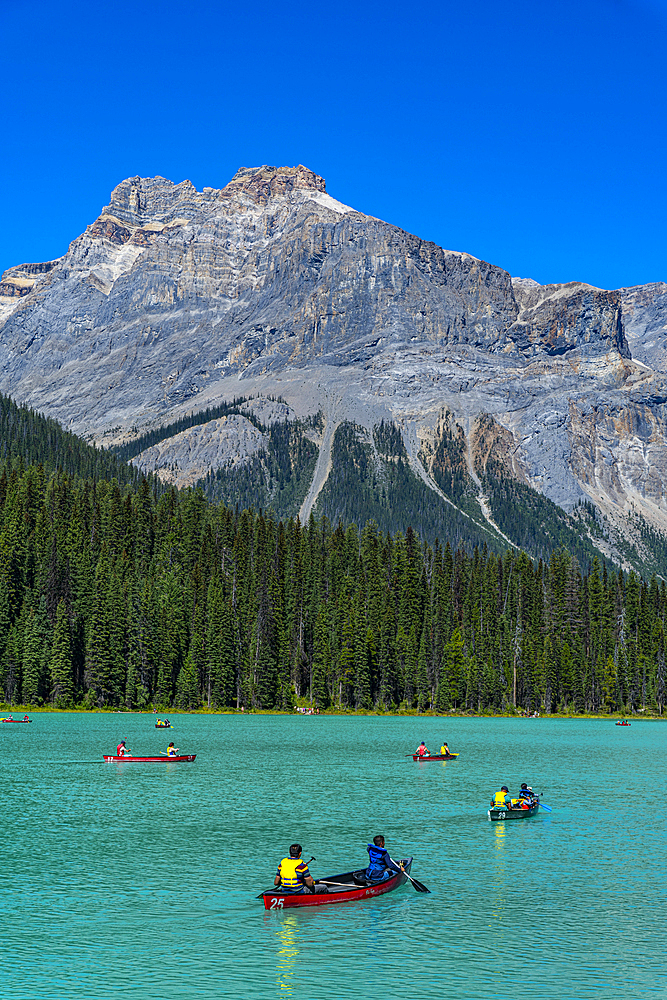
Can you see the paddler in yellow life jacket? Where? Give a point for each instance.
(445, 751)
(501, 800)
(172, 751)
(293, 875)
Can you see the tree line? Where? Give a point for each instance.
(117, 595)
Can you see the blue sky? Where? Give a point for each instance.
(530, 135)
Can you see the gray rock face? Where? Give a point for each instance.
(175, 299)
(188, 456)
(644, 310)
(561, 318)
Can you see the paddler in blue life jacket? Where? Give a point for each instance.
(293, 875)
(526, 792)
(381, 866)
(502, 800)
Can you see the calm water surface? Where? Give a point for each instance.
(138, 881)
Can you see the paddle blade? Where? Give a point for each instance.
(542, 806)
(419, 886)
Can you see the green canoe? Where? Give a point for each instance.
(515, 813)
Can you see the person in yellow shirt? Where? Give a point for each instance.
(172, 751)
(293, 875)
(502, 800)
(444, 750)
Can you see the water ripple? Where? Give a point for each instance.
(130, 881)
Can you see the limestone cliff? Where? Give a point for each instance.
(174, 299)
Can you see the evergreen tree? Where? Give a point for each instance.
(36, 655)
(187, 685)
(609, 685)
(62, 680)
(221, 665)
(319, 689)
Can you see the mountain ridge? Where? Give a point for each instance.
(174, 300)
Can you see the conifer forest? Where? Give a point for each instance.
(129, 594)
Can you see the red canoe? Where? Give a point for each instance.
(340, 889)
(146, 760)
(435, 756)
(24, 721)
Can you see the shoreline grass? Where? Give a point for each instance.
(642, 715)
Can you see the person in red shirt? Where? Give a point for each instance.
(121, 750)
(422, 750)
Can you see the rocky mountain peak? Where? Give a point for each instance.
(174, 296)
(265, 182)
(138, 200)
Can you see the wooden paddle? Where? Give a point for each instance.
(419, 886)
(343, 885)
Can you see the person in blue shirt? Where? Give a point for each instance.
(526, 792)
(381, 866)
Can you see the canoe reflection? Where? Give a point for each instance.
(288, 933)
(501, 878)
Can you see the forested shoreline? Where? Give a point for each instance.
(123, 597)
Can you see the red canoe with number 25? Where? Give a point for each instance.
(340, 889)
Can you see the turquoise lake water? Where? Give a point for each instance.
(139, 881)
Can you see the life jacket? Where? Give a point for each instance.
(290, 875)
(500, 800)
(444, 750)
(120, 750)
(378, 857)
(421, 751)
(171, 752)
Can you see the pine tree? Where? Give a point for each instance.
(11, 667)
(452, 673)
(423, 688)
(550, 675)
(36, 655)
(62, 681)
(364, 667)
(609, 685)
(187, 685)
(319, 689)
(220, 652)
